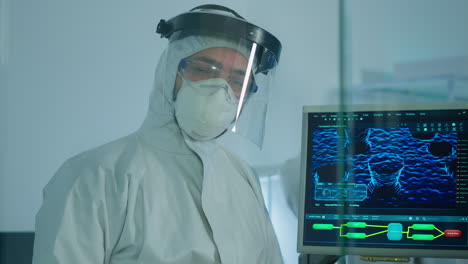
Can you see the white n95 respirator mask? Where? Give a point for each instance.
(205, 109)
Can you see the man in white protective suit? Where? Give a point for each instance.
(169, 193)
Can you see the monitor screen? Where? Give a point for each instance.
(385, 180)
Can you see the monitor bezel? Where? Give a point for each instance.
(367, 251)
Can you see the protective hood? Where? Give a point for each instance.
(160, 124)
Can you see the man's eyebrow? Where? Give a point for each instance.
(209, 60)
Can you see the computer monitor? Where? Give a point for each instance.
(385, 180)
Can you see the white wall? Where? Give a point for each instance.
(78, 76)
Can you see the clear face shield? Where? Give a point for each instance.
(224, 85)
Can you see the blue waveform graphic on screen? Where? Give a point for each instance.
(398, 167)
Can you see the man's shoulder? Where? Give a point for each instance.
(106, 155)
(109, 162)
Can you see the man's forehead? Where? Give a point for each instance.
(221, 55)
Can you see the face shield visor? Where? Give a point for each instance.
(231, 72)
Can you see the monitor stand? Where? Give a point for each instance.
(352, 259)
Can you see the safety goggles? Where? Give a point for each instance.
(198, 70)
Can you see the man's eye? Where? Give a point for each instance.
(205, 70)
(237, 84)
(200, 69)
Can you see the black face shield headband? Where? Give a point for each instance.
(229, 27)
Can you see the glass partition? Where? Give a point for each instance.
(403, 67)
(405, 51)
(386, 168)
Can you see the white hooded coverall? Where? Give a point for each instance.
(156, 196)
